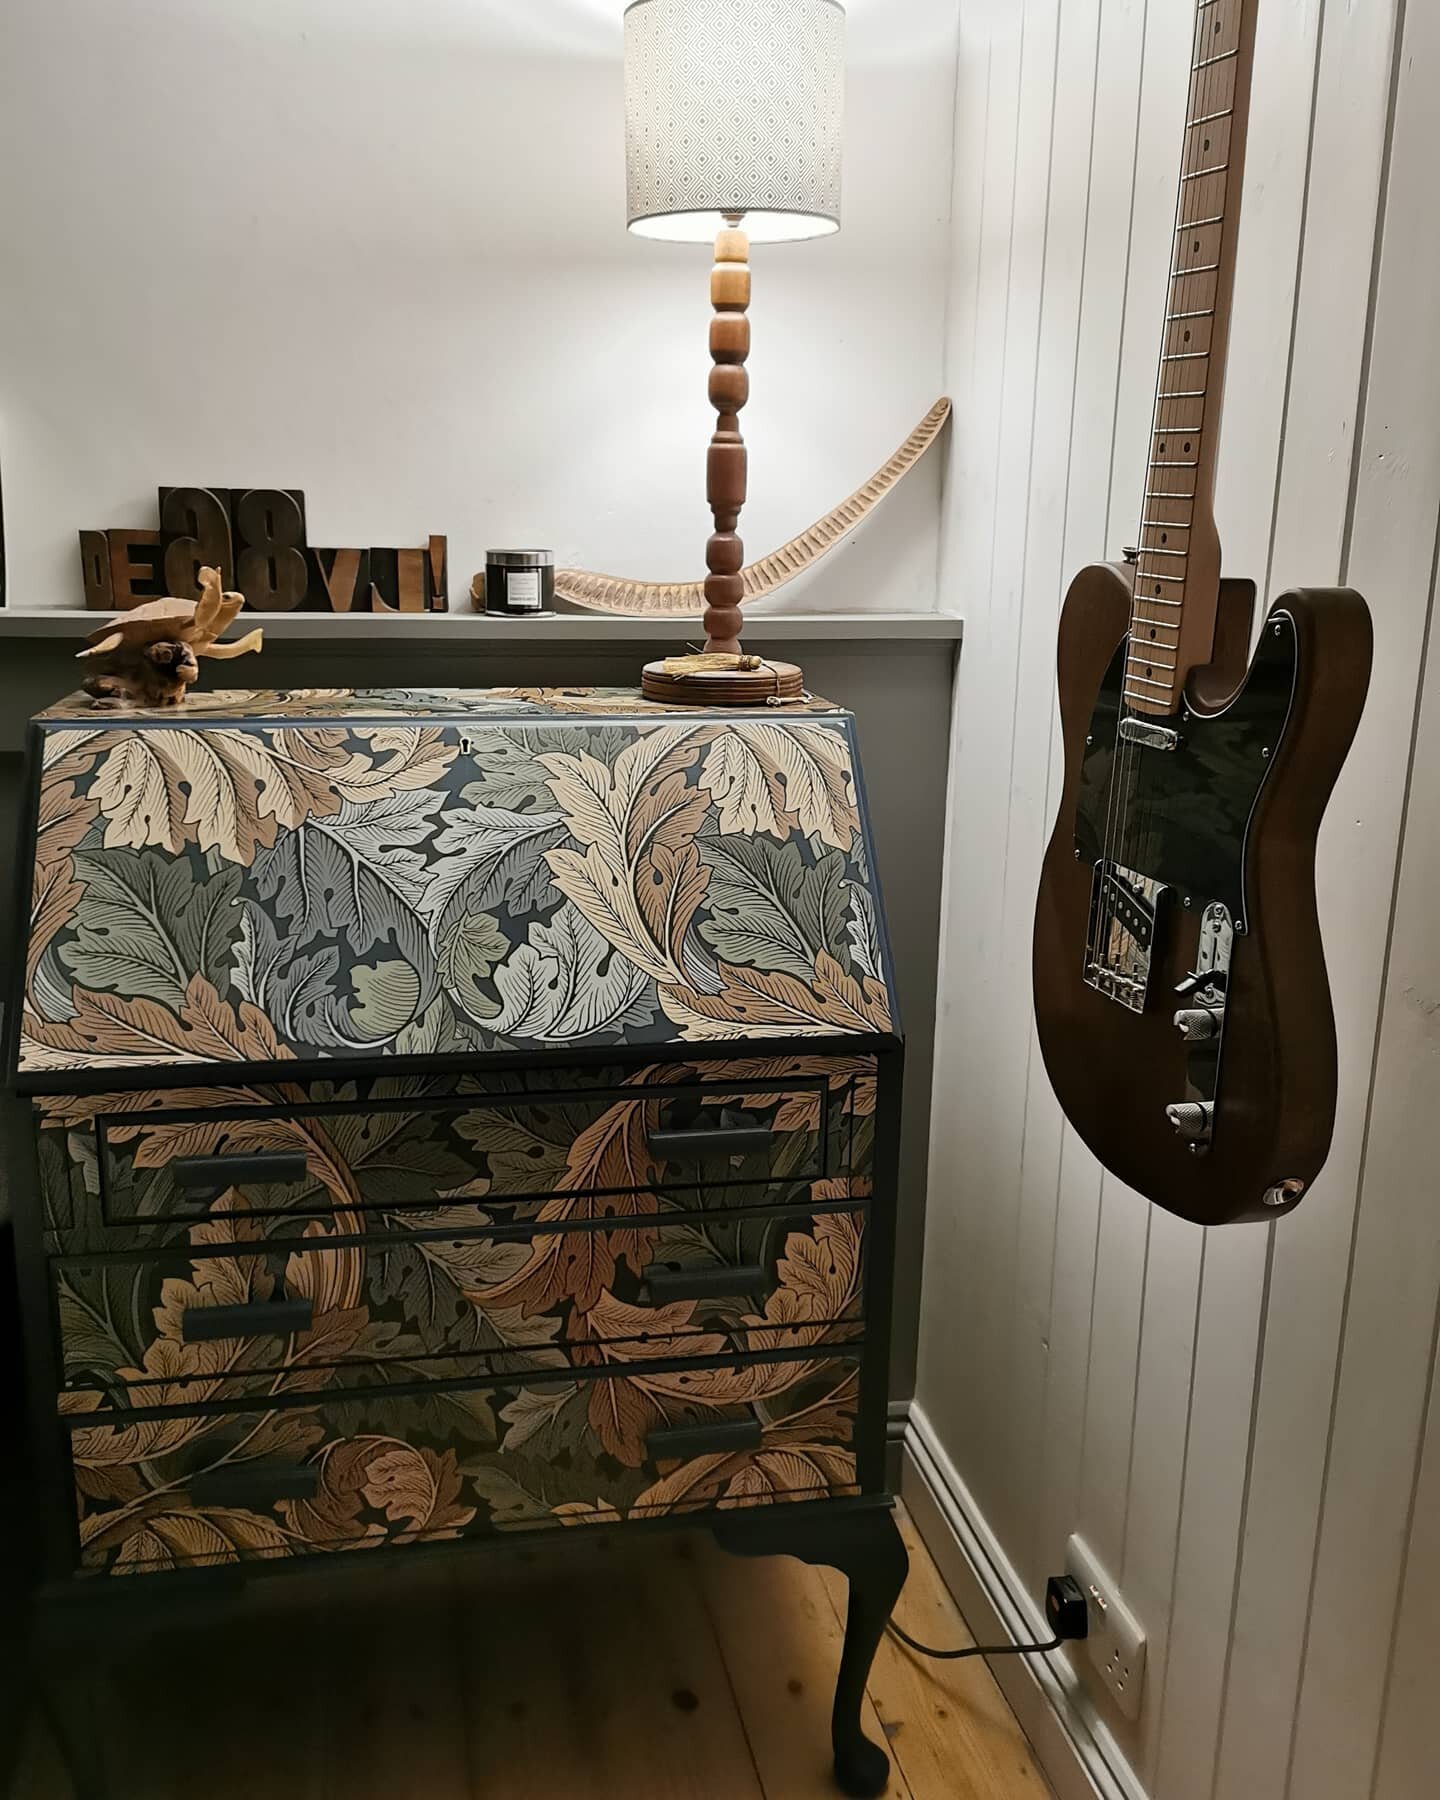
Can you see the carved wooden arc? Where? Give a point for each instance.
(686, 599)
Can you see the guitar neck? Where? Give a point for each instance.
(1177, 571)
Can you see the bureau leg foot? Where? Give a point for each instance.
(69, 1706)
(868, 1550)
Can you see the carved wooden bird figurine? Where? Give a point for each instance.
(147, 656)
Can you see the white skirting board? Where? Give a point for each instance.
(1072, 1744)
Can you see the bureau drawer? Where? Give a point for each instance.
(231, 1486)
(235, 1317)
(691, 1139)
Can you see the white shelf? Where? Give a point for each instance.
(420, 628)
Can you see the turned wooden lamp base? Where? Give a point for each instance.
(771, 684)
(725, 490)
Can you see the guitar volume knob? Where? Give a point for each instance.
(1193, 1119)
(1197, 1024)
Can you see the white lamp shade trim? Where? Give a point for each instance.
(734, 106)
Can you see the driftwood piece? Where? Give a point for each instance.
(149, 655)
(686, 599)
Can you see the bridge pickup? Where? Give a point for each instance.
(1153, 737)
(1131, 907)
(1125, 916)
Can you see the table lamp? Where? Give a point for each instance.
(733, 112)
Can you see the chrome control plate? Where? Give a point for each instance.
(1200, 1021)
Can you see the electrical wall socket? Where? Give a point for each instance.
(1116, 1643)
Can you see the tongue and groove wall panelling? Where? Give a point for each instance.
(1072, 34)
(1233, 1421)
(1341, 402)
(990, 57)
(1392, 1252)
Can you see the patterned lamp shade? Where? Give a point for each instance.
(734, 106)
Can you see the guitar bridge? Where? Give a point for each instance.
(1125, 917)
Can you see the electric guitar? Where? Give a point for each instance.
(1181, 998)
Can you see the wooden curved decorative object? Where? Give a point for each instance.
(686, 599)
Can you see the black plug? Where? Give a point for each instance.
(1066, 1608)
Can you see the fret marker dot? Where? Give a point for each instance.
(1164, 537)
(1157, 587)
(1187, 449)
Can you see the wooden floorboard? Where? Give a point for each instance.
(663, 1670)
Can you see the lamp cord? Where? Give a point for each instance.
(973, 1649)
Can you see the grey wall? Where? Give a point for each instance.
(899, 691)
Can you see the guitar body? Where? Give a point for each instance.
(1204, 896)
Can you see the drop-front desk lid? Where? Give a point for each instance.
(376, 874)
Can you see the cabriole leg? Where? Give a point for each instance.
(868, 1550)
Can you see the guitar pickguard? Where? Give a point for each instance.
(1182, 812)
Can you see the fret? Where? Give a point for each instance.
(1154, 600)
(1181, 394)
(1196, 224)
(1147, 663)
(1166, 524)
(1205, 118)
(1208, 62)
(1196, 269)
(1173, 580)
(1183, 355)
(1141, 681)
(1146, 550)
(1198, 174)
(1199, 312)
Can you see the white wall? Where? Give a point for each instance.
(376, 249)
(1241, 1423)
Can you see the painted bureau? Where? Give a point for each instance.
(448, 1114)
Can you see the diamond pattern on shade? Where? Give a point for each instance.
(735, 106)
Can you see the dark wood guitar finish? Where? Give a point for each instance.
(1231, 815)
(1181, 998)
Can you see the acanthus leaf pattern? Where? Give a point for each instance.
(629, 877)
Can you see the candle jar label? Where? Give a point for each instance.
(522, 590)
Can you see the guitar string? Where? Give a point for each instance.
(1129, 790)
(1106, 951)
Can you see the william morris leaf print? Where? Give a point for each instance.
(148, 924)
(501, 870)
(566, 984)
(768, 907)
(777, 778)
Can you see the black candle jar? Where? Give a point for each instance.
(519, 583)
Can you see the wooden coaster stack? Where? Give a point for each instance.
(671, 682)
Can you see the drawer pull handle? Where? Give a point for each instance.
(691, 1144)
(666, 1285)
(685, 1441)
(270, 1318)
(204, 1177)
(254, 1484)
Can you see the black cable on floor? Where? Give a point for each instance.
(973, 1650)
